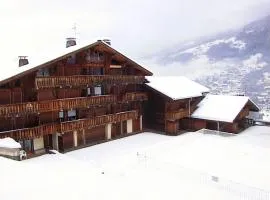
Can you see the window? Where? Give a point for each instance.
(43, 72)
(97, 71)
(98, 90)
(27, 145)
(71, 59)
(18, 83)
(61, 116)
(88, 91)
(71, 114)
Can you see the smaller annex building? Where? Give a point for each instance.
(176, 104)
(223, 113)
(171, 100)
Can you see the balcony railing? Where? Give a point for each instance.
(180, 114)
(84, 80)
(55, 105)
(98, 63)
(30, 133)
(135, 96)
(39, 131)
(98, 121)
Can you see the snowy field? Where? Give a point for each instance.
(148, 166)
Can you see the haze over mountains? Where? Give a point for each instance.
(235, 62)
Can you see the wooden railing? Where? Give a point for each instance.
(98, 121)
(55, 105)
(97, 63)
(86, 80)
(135, 96)
(30, 133)
(180, 114)
(39, 131)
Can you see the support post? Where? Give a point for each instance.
(108, 131)
(75, 139)
(141, 125)
(129, 126)
(83, 136)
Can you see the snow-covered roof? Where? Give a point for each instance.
(176, 87)
(41, 59)
(9, 143)
(221, 107)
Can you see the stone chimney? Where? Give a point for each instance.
(70, 42)
(23, 60)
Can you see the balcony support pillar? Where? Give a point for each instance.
(141, 121)
(129, 126)
(75, 138)
(108, 131)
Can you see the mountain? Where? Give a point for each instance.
(235, 62)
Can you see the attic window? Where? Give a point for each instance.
(43, 72)
(71, 59)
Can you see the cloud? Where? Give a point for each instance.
(137, 27)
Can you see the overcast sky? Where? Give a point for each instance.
(135, 27)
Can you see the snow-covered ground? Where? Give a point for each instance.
(148, 166)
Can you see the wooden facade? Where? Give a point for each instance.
(167, 115)
(89, 95)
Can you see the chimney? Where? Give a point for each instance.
(23, 60)
(70, 42)
(107, 41)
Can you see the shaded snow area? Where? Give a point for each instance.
(149, 166)
(9, 143)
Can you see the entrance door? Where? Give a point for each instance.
(48, 143)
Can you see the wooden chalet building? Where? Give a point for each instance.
(82, 95)
(172, 100)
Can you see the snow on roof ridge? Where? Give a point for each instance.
(169, 86)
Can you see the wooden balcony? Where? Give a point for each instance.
(180, 114)
(30, 133)
(55, 105)
(86, 80)
(98, 121)
(135, 96)
(39, 131)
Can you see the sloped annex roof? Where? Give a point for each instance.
(222, 107)
(51, 56)
(176, 87)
